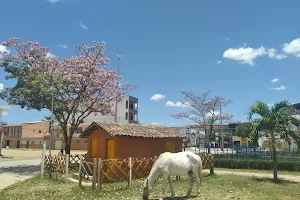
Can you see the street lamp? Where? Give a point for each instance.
(222, 135)
(2, 108)
(116, 106)
(51, 121)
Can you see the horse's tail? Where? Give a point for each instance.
(200, 170)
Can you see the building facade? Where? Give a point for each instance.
(28, 135)
(127, 112)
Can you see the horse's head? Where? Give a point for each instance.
(147, 189)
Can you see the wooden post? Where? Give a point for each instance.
(99, 185)
(94, 173)
(43, 160)
(67, 164)
(1, 142)
(211, 166)
(80, 167)
(130, 172)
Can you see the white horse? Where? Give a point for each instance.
(174, 164)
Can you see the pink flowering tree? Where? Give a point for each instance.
(80, 85)
(204, 111)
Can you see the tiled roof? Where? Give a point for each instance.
(133, 130)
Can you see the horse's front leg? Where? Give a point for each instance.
(164, 186)
(171, 186)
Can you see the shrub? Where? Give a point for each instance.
(256, 164)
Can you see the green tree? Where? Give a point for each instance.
(244, 130)
(78, 86)
(277, 119)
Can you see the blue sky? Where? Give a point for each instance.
(234, 48)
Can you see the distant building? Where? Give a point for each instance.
(185, 132)
(2, 108)
(26, 135)
(127, 112)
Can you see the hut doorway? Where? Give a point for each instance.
(110, 149)
(93, 148)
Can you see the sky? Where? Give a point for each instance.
(242, 50)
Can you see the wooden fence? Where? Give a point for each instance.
(57, 163)
(114, 170)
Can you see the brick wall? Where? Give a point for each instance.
(77, 144)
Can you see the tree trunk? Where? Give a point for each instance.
(68, 147)
(275, 178)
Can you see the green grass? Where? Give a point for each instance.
(213, 187)
(258, 171)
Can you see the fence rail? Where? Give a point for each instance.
(57, 163)
(257, 154)
(110, 170)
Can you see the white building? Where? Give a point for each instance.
(127, 112)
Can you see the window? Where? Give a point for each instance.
(131, 116)
(32, 142)
(135, 117)
(130, 105)
(33, 130)
(126, 116)
(40, 131)
(40, 142)
(18, 131)
(11, 131)
(127, 104)
(136, 106)
(78, 141)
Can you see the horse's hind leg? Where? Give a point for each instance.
(191, 180)
(171, 186)
(195, 172)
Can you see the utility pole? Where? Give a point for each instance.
(116, 106)
(51, 122)
(222, 148)
(2, 108)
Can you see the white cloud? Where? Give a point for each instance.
(157, 97)
(272, 53)
(209, 114)
(245, 55)
(226, 39)
(83, 26)
(4, 113)
(155, 124)
(282, 87)
(55, 1)
(219, 62)
(63, 46)
(50, 55)
(1, 86)
(177, 104)
(275, 80)
(292, 48)
(3, 49)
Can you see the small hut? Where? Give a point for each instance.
(109, 140)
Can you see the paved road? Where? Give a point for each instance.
(17, 169)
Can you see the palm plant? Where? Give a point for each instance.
(277, 119)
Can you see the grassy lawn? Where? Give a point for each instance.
(259, 171)
(213, 187)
